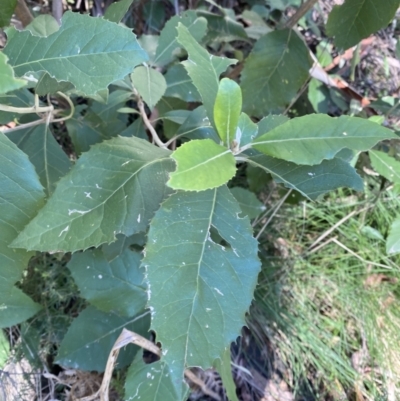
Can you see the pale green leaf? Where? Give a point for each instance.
(223, 367)
(200, 165)
(168, 44)
(393, 240)
(92, 335)
(202, 287)
(116, 11)
(20, 198)
(180, 85)
(88, 52)
(115, 188)
(6, 11)
(313, 138)
(227, 108)
(248, 202)
(248, 129)
(50, 161)
(310, 181)
(385, 165)
(197, 126)
(8, 82)
(150, 84)
(357, 19)
(43, 25)
(110, 286)
(203, 68)
(152, 382)
(15, 307)
(275, 70)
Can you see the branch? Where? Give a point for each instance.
(23, 13)
(301, 11)
(146, 120)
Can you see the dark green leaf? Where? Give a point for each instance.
(203, 68)
(357, 19)
(116, 11)
(168, 44)
(200, 165)
(6, 12)
(199, 291)
(275, 70)
(92, 335)
(180, 85)
(313, 138)
(110, 286)
(248, 202)
(115, 188)
(50, 162)
(310, 181)
(88, 52)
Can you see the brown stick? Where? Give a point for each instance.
(301, 11)
(23, 13)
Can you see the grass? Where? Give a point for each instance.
(329, 308)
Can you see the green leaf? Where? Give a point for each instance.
(248, 202)
(180, 85)
(222, 28)
(313, 138)
(393, 240)
(357, 19)
(110, 286)
(20, 198)
(48, 85)
(18, 98)
(177, 116)
(165, 106)
(152, 382)
(248, 129)
(154, 15)
(310, 181)
(150, 84)
(6, 12)
(8, 82)
(15, 306)
(43, 25)
(223, 367)
(92, 335)
(209, 287)
(197, 126)
(203, 68)
(270, 122)
(116, 11)
(115, 188)
(200, 165)
(227, 108)
(50, 162)
(168, 44)
(88, 52)
(113, 250)
(275, 70)
(385, 165)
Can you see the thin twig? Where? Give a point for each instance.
(146, 120)
(23, 13)
(301, 11)
(278, 206)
